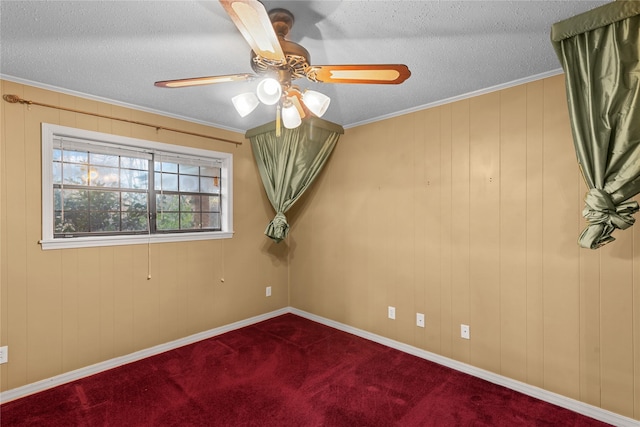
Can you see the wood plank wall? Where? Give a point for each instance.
(65, 309)
(469, 213)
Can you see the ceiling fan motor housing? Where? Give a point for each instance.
(282, 21)
(297, 57)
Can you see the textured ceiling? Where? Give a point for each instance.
(116, 50)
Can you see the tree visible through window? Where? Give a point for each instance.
(187, 196)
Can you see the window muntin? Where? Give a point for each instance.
(101, 189)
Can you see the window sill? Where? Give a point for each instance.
(87, 242)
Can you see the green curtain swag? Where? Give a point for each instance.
(289, 163)
(600, 53)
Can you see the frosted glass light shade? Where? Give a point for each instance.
(269, 91)
(316, 102)
(245, 103)
(290, 116)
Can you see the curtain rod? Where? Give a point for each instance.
(13, 99)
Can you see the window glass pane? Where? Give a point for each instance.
(189, 203)
(72, 222)
(189, 170)
(134, 221)
(75, 174)
(211, 220)
(103, 159)
(57, 199)
(167, 202)
(105, 221)
(57, 155)
(166, 167)
(134, 202)
(166, 182)
(189, 183)
(189, 220)
(208, 185)
(57, 173)
(104, 177)
(134, 163)
(134, 179)
(211, 203)
(168, 221)
(75, 200)
(104, 200)
(75, 156)
(58, 227)
(209, 171)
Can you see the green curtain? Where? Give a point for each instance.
(289, 163)
(600, 53)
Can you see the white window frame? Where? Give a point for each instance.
(50, 131)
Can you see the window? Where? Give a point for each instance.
(102, 190)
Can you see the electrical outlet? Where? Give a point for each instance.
(392, 312)
(4, 354)
(268, 291)
(420, 320)
(464, 332)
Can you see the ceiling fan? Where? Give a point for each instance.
(278, 61)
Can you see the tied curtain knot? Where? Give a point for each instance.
(278, 228)
(599, 53)
(604, 217)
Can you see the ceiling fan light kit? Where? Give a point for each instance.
(290, 116)
(245, 103)
(279, 61)
(269, 91)
(316, 102)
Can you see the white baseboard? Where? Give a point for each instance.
(524, 388)
(539, 393)
(77, 374)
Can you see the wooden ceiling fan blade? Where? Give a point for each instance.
(254, 24)
(364, 73)
(198, 81)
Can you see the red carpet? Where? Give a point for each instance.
(287, 371)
